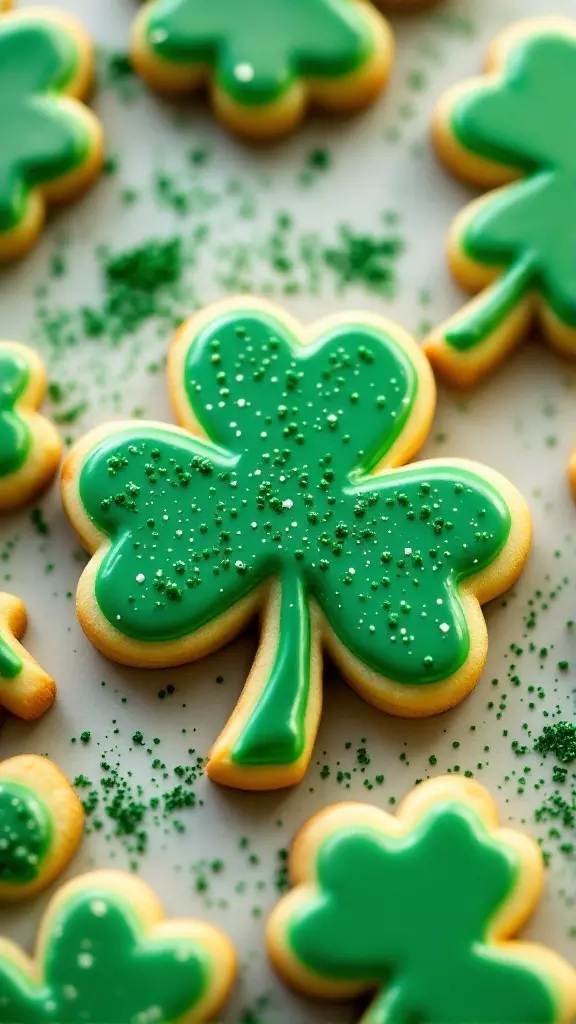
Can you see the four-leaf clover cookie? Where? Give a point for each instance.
(106, 954)
(30, 446)
(517, 245)
(285, 493)
(26, 690)
(52, 146)
(265, 61)
(420, 908)
(41, 823)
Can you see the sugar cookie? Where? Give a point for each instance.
(106, 953)
(333, 54)
(30, 446)
(26, 690)
(422, 908)
(41, 823)
(515, 246)
(283, 494)
(53, 144)
(572, 473)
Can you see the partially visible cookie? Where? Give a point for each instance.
(421, 909)
(511, 131)
(26, 690)
(30, 446)
(265, 63)
(41, 822)
(106, 953)
(406, 6)
(52, 147)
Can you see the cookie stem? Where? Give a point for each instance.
(275, 731)
(484, 316)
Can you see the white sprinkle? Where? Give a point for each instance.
(287, 503)
(444, 627)
(98, 908)
(244, 72)
(85, 960)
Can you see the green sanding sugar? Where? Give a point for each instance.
(137, 287)
(558, 739)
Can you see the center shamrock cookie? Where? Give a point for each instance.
(265, 60)
(283, 494)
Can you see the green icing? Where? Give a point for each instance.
(259, 48)
(99, 968)
(41, 140)
(14, 433)
(524, 120)
(283, 493)
(25, 835)
(275, 732)
(11, 664)
(411, 915)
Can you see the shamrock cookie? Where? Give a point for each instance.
(52, 144)
(105, 953)
(515, 246)
(421, 908)
(41, 822)
(30, 446)
(265, 61)
(283, 494)
(26, 690)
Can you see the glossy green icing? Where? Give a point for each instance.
(99, 967)
(14, 433)
(411, 916)
(283, 493)
(41, 140)
(11, 664)
(260, 48)
(275, 732)
(25, 834)
(524, 121)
